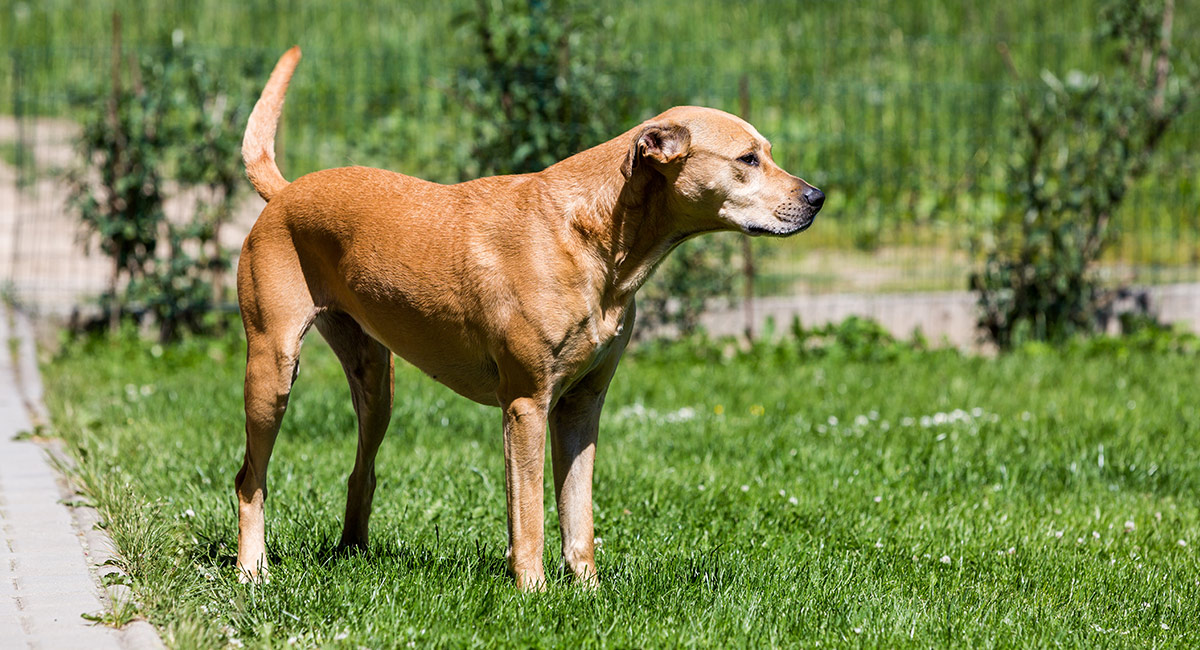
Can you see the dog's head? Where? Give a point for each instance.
(720, 173)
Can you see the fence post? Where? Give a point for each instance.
(19, 179)
(747, 245)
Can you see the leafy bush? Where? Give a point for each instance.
(117, 187)
(853, 339)
(1080, 144)
(166, 119)
(540, 90)
(676, 295)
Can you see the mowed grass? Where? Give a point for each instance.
(744, 500)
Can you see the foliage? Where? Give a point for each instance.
(177, 292)
(1081, 143)
(854, 339)
(1143, 337)
(172, 120)
(696, 272)
(117, 188)
(541, 89)
(747, 500)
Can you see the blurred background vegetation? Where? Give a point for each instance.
(903, 112)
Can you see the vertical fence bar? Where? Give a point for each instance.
(19, 172)
(747, 245)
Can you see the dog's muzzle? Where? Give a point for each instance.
(797, 216)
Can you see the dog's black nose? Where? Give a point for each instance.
(814, 197)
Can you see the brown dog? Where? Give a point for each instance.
(514, 291)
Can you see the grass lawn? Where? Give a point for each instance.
(1044, 498)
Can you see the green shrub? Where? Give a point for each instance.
(539, 90)
(163, 118)
(1081, 142)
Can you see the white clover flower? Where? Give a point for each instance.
(682, 415)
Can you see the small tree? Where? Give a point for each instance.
(542, 89)
(117, 189)
(695, 272)
(1081, 143)
(206, 118)
(165, 118)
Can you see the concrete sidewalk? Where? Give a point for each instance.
(48, 551)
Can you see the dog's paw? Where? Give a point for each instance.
(256, 576)
(531, 583)
(350, 547)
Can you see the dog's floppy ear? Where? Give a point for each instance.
(660, 143)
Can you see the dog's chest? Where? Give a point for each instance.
(587, 345)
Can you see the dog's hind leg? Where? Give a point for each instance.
(370, 371)
(276, 321)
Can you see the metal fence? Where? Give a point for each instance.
(911, 163)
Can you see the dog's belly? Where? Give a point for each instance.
(457, 355)
(436, 349)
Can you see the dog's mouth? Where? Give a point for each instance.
(791, 218)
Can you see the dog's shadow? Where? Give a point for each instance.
(477, 560)
(474, 559)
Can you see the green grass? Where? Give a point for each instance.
(745, 500)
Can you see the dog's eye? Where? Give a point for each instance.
(749, 159)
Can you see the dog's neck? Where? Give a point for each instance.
(628, 223)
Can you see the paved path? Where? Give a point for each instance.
(46, 555)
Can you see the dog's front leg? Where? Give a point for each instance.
(524, 457)
(574, 424)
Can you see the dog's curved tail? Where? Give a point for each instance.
(258, 145)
